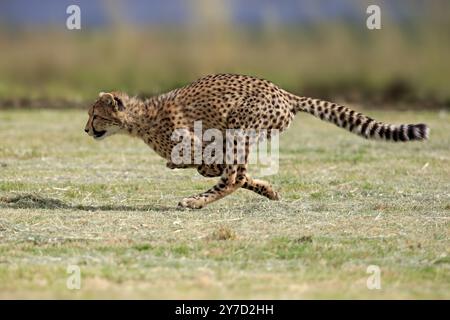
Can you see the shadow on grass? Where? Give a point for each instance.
(32, 201)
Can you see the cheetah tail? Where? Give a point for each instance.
(360, 124)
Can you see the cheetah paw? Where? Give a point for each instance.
(274, 196)
(190, 203)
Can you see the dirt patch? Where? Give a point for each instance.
(32, 201)
(222, 233)
(304, 239)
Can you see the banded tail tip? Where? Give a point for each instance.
(418, 131)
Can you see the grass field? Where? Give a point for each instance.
(110, 208)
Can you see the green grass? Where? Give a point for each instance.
(331, 57)
(110, 208)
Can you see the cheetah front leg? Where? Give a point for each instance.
(261, 187)
(172, 165)
(233, 177)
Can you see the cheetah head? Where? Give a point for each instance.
(106, 115)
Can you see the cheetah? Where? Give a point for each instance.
(226, 101)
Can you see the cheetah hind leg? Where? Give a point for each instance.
(233, 177)
(211, 170)
(261, 187)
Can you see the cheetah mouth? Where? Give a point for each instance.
(99, 134)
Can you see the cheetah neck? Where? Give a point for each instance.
(140, 115)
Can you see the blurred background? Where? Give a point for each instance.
(317, 48)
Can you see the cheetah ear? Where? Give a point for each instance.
(107, 97)
(116, 102)
(119, 104)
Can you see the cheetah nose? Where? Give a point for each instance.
(86, 130)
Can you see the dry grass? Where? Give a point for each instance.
(109, 208)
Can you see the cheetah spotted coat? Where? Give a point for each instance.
(227, 101)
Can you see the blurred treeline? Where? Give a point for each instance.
(406, 62)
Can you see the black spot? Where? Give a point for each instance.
(335, 120)
(388, 133)
(381, 132)
(395, 134)
(364, 127)
(374, 128)
(411, 135)
(352, 126)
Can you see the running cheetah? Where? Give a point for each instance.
(226, 101)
